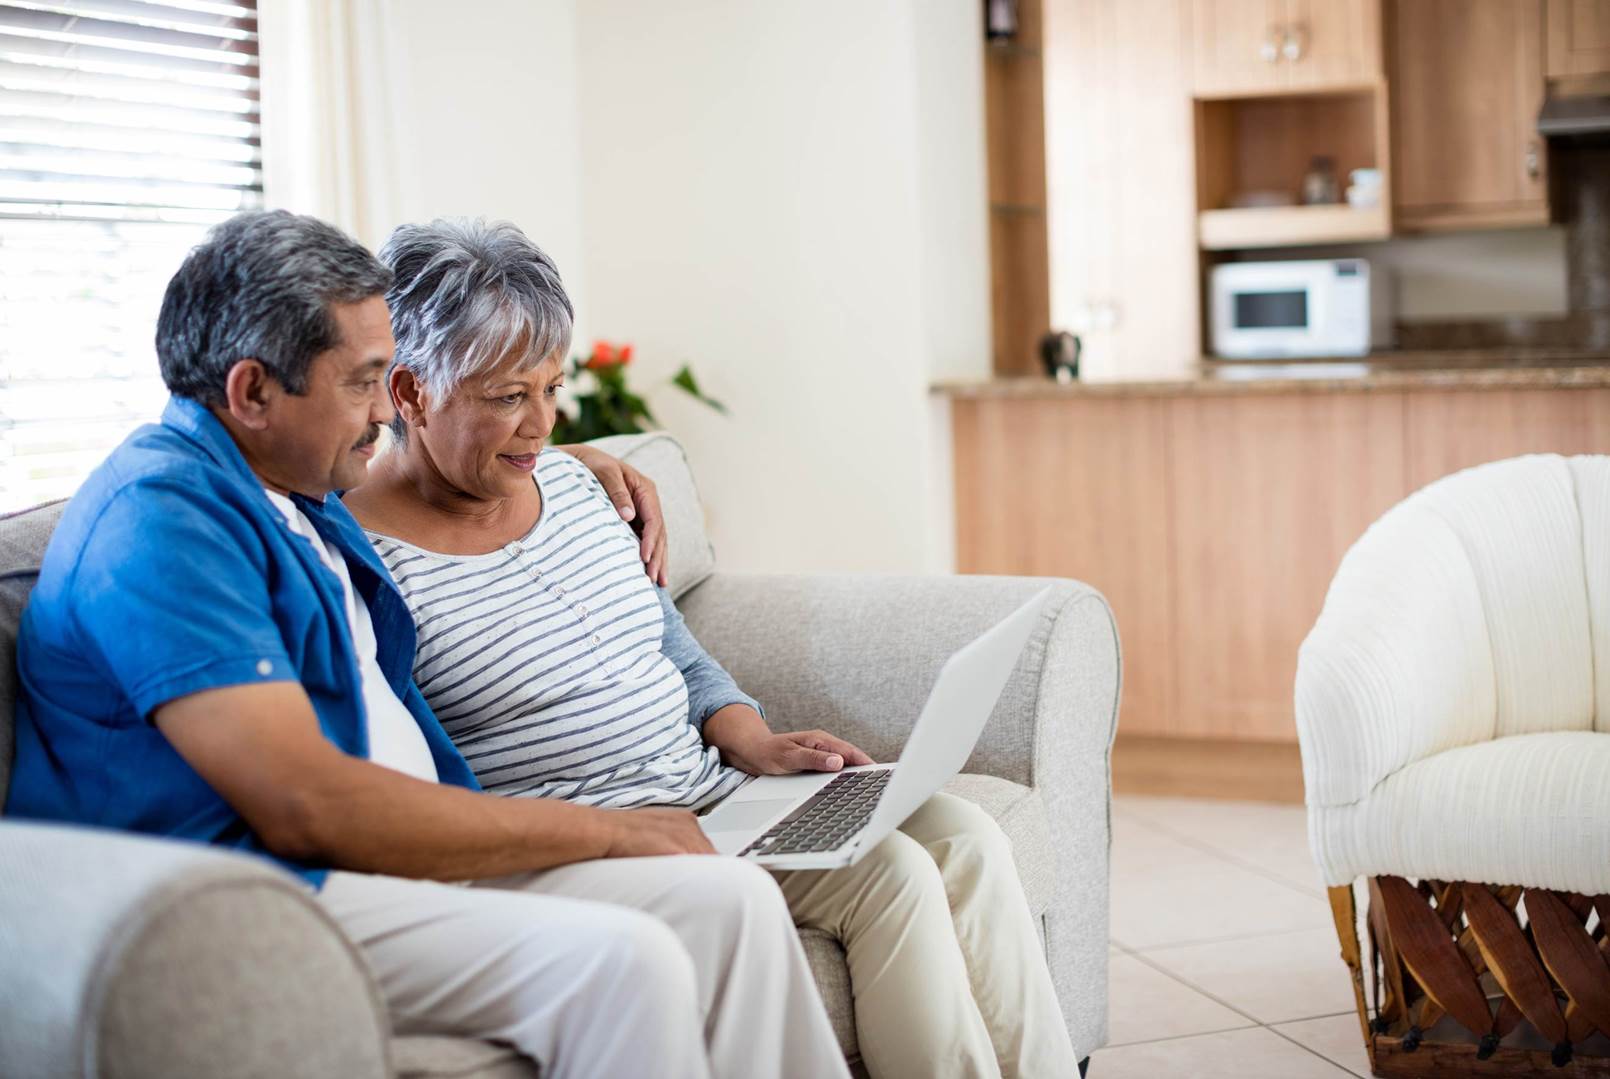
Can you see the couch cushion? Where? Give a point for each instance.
(23, 537)
(1530, 809)
(660, 457)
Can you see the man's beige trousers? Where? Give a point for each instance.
(947, 970)
(680, 967)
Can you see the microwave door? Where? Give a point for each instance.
(1270, 322)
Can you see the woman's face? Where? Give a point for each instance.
(484, 437)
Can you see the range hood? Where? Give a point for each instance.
(1587, 116)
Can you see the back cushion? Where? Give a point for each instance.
(23, 537)
(1592, 476)
(1518, 523)
(661, 458)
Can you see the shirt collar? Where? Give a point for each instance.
(196, 422)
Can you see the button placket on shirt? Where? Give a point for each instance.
(516, 551)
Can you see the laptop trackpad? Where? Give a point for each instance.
(740, 816)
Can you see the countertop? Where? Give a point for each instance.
(1475, 369)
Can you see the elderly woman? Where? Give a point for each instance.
(561, 671)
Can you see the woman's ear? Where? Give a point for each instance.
(407, 396)
(248, 389)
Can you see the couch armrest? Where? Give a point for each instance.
(129, 956)
(857, 655)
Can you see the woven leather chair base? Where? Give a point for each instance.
(1470, 984)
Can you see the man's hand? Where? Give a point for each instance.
(644, 833)
(635, 499)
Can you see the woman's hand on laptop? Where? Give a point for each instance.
(746, 743)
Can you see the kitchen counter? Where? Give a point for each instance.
(1212, 513)
(1475, 369)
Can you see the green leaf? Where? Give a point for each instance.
(685, 381)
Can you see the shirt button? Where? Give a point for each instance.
(265, 668)
(597, 639)
(581, 610)
(559, 589)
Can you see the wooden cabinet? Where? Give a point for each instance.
(1268, 491)
(1578, 38)
(1014, 111)
(1467, 79)
(1120, 185)
(1214, 522)
(1237, 46)
(1249, 47)
(1339, 43)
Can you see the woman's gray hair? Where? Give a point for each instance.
(465, 295)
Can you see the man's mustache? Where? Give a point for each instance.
(368, 439)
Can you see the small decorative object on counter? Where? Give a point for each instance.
(1320, 187)
(597, 403)
(1059, 351)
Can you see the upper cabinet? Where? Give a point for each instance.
(1578, 38)
(1467, 79)
(1252, 47)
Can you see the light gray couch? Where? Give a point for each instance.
(125, 956)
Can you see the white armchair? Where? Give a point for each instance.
(1453, 707)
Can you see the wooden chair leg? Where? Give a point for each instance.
(1344, 910)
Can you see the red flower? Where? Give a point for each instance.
(624, 356)
(603, 355)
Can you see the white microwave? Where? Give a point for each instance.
(1286, 310)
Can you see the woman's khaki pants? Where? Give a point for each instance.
(947, 971)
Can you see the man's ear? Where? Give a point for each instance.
(407, 395)
(248, 390)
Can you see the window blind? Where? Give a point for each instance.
(127, 127)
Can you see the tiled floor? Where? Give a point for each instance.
(1224, 961)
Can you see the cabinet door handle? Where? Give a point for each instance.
(1294, 43)
(1270, 52)
(1534, 160)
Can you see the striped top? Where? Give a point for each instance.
(548, 662)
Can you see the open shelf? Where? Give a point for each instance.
(1266, 145)
(1289, 226)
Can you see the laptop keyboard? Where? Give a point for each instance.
(828, 818)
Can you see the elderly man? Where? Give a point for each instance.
(214, 653)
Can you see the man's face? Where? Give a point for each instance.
(322, 440)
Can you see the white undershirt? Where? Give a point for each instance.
(395, 739)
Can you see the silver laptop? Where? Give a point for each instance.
(823, 820)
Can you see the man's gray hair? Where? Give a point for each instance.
(466, 295)
(260, 287)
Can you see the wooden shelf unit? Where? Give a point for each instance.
(1020, 271)
(1267, 144)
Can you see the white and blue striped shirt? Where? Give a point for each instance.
(554, 664)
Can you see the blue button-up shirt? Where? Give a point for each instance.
(172, 573)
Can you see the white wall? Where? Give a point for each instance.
(789, 195)
(772, 191)
(378, 112)
(495, 132)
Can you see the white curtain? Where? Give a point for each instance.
(333, 103)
